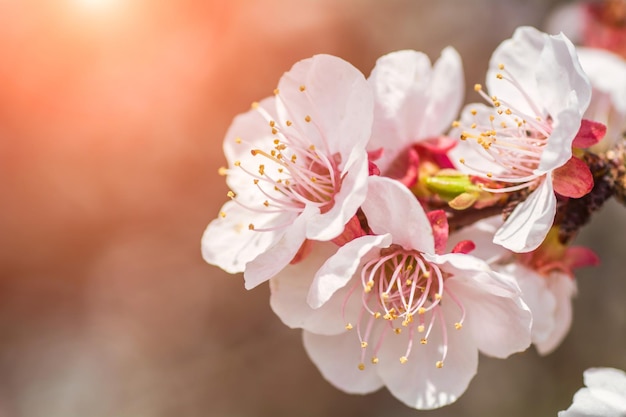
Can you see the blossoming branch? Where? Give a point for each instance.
(403, 234)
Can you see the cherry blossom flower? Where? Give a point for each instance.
(545, 276)
(603, 396)
(539, 93)
(607, 73)
(414, 104)
(297, 169)
(417, 317)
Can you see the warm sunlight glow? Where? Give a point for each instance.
(97, 5)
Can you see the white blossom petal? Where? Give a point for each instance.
(335, 357)
(419, 383)
(414, 101)
(289, 290)
(228, 242)
(530, 221)
(391, 208)
(339, 269)
(605, 395)
(563, 288)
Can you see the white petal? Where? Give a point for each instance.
(327, 226)
(530, 221)
(500, 325)
(336, 97)
(418, 383)
(413, 100)
(228, 243)
(289, 290)
(391, 208)
(563, 288)
(558, 74)
(248, 130)
(608, 379)
(337, 358)
(520, 55)
(538, 298)
(339, 269)
(276, 257)
(605, 396)
(481, 233)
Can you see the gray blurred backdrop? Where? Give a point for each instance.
(112, 115)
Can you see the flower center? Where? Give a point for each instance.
(508, 137)
(291, 173)
(406, 291)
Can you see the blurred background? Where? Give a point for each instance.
(112, 115)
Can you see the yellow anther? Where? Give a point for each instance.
(276, 141)
(500, 67)
(421, 328)
(312, 147)
(463, 136)
(473, 126)
(262, 169)
(272, 123)
(499, 76)
(251, 226)
(374, 360)
(222, 214)
(255, 181)
(458, 326)
(403, 360)
(408, 282)
(364, 344)
(474, 112)
(307, 118)
(274, 131)
(497, 104)
(397, 330)
(313, 179)
(222, 171)
(439, 364)
(230, 194)
(361, 367)
(280, 170)
(276, 91)
(409, 267)
(237, 139)
(288, 123)
(302, 88)
(293, 158)
(266, 203)
(437, 296)
(405, 323)
(237, 163)
(385, 296)
(377, 315)
(423, 341)
(456, 123)
(421, 310)
(478, 87)
(255, 105)
(349, 326)
(508, 111)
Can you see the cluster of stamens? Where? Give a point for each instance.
(292, 173)
(405, 292)
(511, 139)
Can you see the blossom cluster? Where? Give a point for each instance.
(405, 234)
